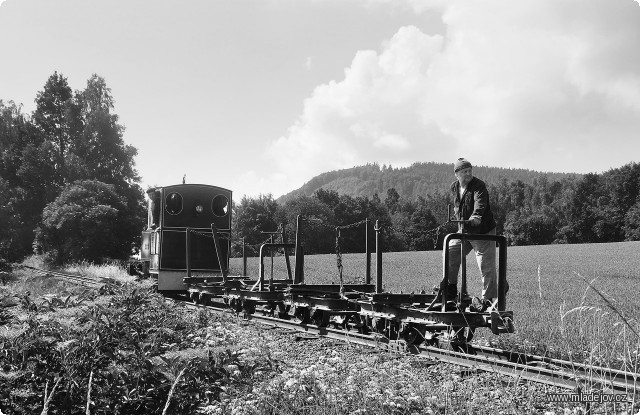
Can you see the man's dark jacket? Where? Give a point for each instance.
(474, 202)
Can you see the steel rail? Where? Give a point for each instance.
(78, 279)
(539, 369)
(613, 378)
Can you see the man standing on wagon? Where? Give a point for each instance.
(471, 203)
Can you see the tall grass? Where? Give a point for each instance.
(36, 285)
(112, 271)
(556, 312)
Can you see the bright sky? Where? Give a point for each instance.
(259, 96)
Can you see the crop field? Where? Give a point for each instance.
(578, 302)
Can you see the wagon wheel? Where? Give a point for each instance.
(321, 318)
(235, 304)
(249, 306)
(194, 297)
(461, 337)
(508, 322)
(431, 338)
(392, 330)
(302, 314)
(362, 324)
(283, 311)
(345, 322)
(411, 334)
(467, 333)
(204, 299)
(378, 325)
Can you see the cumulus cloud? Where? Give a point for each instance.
(373, 114)
(536, 84)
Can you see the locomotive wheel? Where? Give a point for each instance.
(321, 318)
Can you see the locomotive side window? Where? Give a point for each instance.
(173, 203)
(220, 206)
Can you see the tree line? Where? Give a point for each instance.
(418, 179)
(68, 184)
(574, 209)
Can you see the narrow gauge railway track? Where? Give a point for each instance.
(82, 280)
(553, 372)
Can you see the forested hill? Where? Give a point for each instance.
(419, 179)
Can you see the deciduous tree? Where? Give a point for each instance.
(85, 222)
(51, 118)
(253, 216)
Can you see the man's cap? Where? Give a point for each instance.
(461, 163)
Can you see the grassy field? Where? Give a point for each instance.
(571, 301)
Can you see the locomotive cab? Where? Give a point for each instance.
(180, 216)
